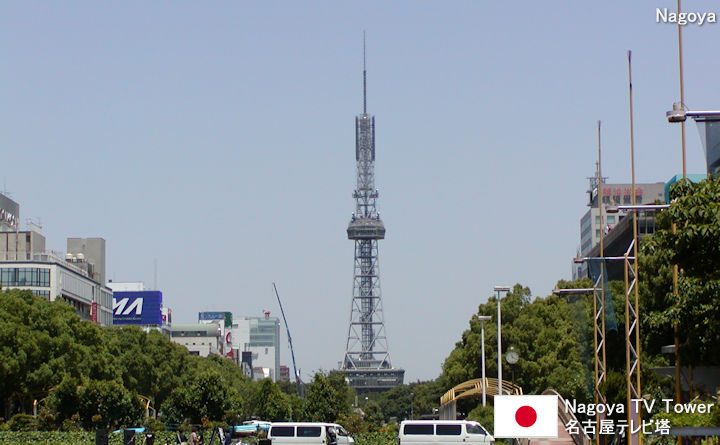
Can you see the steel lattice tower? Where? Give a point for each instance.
(367, 359)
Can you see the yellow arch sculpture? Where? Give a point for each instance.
(473, 388)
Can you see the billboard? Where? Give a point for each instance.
(210, 316)
(137, 307)
(9, 212)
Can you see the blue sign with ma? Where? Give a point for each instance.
(137, 307)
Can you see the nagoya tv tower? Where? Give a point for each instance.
(367, 359)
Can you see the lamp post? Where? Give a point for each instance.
(499, 289)
(483, 319)
(412, 405)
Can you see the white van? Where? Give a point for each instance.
(308, 433)
(435, 432)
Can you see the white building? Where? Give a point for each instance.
(200, 339)
(259, 336)
(25, 265)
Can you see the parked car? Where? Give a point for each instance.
(308, 433)
(443, 432)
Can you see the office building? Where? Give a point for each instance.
(260, 337)
(223, 321)
(200, 339)
(613, 195)
(284, 374)
(92, 251)
(26, 264)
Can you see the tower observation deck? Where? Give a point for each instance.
(367, 359)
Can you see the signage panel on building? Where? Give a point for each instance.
(226, 317)
(9, 211)
(137, 307)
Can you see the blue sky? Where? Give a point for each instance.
(218, 139)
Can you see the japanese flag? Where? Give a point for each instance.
(526, 416)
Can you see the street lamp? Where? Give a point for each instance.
(709, 125)
(680, 114)
(483, 319)
(499, 289)
(412, 405)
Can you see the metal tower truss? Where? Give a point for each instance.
(632, 340)
(599, 340)
(367, 359)
(367, 343)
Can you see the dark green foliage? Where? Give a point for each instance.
(83, 375)
(384, 437)
(483, 415)
(107, 404)
(327, 398)
(695, 247)
(21, 422)
(272, 404)
(544, 334)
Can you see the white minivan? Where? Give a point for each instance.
(436, 432)
(308, 433)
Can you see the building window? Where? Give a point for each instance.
(597, 233)
(597, 220)
(25, 276)
(611, 219)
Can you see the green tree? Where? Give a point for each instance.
(695, 247)
(108, 404)
(544, 334)
(204, 395)
(272, 404)
(40, 343)
(325, 402)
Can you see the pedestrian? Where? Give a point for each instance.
(193, 437)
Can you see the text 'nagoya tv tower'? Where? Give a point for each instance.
(367, 359)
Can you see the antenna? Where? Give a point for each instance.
(364, 78)
(9, 195)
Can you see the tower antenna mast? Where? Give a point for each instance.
(364, 79)
(367, 360)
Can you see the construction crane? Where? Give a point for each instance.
(298, 382)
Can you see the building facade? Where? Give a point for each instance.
(591, 226)
(223, 322)
(25, 264)
(260, 337)
(133, 305)
(200, 339)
